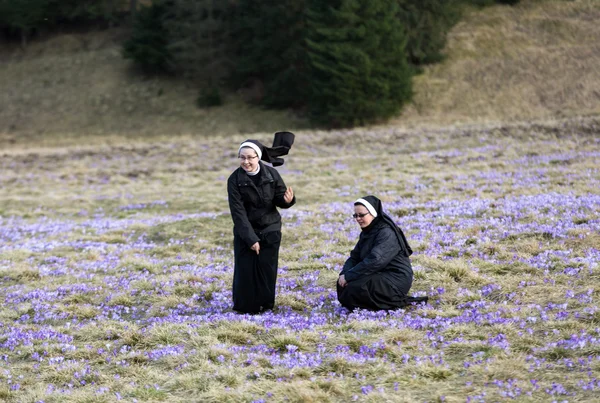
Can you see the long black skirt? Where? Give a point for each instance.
(254, 276)
(379, 291)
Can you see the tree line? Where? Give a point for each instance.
(340, 62)
(36, 18)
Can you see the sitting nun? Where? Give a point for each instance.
(378, 273)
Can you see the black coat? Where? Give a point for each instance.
(379, 251)
(254, 208)
(378, 271)
(255, 219)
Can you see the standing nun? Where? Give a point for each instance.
(255, 190)
(378, 273)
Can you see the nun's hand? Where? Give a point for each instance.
(342, 281)
(288, 196)
(256, 248)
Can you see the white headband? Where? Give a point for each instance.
(368, 206)
(252, 146)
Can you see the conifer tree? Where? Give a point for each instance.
(270, 48)
(199, 41)
(358, 68)
(24, 16)
(148, 44)
(426, 23)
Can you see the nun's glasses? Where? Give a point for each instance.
(360, 215)
(247, 158)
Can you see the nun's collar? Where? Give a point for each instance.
(244, 178)
(255, 172)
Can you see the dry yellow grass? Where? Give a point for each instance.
(513, 307)
(537, 60)
(142, 316)
(80, 84)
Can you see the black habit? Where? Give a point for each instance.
(253, 203)
(378, 271)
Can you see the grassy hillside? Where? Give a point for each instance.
(537, 60)
(74, 85)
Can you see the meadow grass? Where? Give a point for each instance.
(116, 267)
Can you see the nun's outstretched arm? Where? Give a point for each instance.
(280, 191)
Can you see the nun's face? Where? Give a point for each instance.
(248, 159)
(362, 216)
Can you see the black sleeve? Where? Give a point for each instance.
(280, 189)
(352, 260)
(385, 247)
(238, 214)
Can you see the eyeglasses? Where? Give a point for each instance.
(247, 158)
(360, 215)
